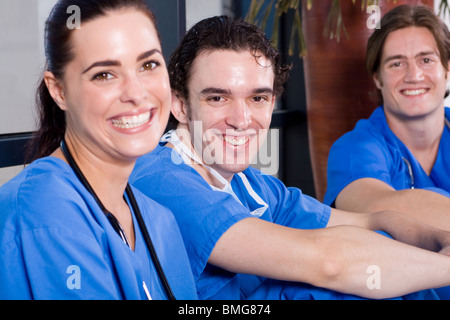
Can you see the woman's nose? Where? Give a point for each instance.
(134, 90)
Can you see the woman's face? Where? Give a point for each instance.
(116, 91)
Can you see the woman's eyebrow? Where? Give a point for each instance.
(148, 54)
(105, 63)
(115, 63)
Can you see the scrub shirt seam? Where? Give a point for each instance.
(214, 238)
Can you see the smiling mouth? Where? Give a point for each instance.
(236, 141)
(415, 92)
(130, 122)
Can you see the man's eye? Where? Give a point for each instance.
(261, 99)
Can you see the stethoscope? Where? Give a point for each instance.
(408, 164)
(116, 225)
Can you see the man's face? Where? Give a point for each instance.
(230, 108)
(411, 78)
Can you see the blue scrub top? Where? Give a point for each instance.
(56, 243)
(371, 150)
(204, 215)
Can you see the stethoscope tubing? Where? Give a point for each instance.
(115, 223)
(408, 164)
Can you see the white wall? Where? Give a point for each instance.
(22, 58)
(197, 10)
(21, 54)
(446, 19)
(22, 62)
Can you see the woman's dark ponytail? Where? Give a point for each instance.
(51, 126)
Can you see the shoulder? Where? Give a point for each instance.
(289, 206)
(152, 209)
(371, 130)
(153, 161)
(163, 173)
(162, 161)
(272, 189)
(40, 178)
(370, 140)
(38, 196)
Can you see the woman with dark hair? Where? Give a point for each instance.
(71, 226)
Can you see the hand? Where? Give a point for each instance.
(411, 231)
(445, 250)
(443, 240)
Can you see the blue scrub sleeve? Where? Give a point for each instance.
(203, 215)
(289, 207)
(438, 190)
(354, 157)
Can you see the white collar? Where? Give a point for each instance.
(187, 155)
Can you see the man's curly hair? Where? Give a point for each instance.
(223, 33)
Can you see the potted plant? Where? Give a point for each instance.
(332, 37)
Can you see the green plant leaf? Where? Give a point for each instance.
(334, 27)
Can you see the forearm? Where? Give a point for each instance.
(359, 256)
(408, 230)
(371, 196)
(427, 206)
(337, 258)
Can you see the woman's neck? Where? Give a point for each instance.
(108, 179)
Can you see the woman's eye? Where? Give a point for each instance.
(150, 65)
(102, 76)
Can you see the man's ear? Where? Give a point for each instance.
(179, 108)
(377, 80)
(274, 100)
(447, 75)
(55, 89)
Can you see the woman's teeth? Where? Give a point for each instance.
(131, 122)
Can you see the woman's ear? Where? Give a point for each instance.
(179, 108)
(55, 89)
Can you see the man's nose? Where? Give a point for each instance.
(414, 73)
(239, 115)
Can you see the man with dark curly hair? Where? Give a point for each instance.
(246, 233)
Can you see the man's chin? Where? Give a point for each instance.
(228, 170)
